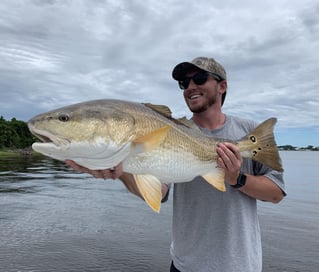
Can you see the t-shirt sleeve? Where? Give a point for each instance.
(275, 176)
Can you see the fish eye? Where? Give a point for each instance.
(64, 117)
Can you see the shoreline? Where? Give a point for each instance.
(6, 152)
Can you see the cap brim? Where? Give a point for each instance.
(182, 69)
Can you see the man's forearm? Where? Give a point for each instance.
(129, 182)
(262, 188)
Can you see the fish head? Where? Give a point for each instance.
(85, 129)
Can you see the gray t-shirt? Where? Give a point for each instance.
(216, 231)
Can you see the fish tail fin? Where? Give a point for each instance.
(260, 145)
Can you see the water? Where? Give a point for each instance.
(291, 229)
(53, 219)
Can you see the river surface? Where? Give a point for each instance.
(53, 219)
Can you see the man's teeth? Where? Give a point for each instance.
(195, 96)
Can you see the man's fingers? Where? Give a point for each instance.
(77, 167)
(230, 156)
(112, 173)
(118, 171)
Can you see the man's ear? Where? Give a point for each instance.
(223, 86)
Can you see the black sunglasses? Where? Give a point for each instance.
(198, 79)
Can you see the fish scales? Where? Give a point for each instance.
(152, 146)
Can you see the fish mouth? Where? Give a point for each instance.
(48, 138)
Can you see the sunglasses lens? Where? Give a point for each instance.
(198, 79)
(183, 84)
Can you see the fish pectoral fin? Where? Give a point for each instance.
(153, 139)
(216, 178)
(151, 190)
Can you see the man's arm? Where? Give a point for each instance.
(259, 187)
(262, 188)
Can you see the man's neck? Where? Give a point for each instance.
(209, 119)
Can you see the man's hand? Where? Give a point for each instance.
(112, 173)
(230, 160)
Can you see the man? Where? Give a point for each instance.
(214, 231)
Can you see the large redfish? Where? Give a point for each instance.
(152, 145)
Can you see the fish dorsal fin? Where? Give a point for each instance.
(186, 122)
(161, 109)
(216, 178)
(152, 140)
(166, 112)
(151, 190)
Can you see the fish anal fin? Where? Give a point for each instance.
(151, 190)
(216, 179)
(153, 139)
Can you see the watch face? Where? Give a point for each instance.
(241, 181)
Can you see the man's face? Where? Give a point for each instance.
(200, 97)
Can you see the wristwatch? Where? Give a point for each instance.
(241, 181)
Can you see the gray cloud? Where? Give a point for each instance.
(58, 52)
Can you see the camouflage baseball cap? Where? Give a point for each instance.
(203, 63)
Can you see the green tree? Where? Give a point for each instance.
(14, 134)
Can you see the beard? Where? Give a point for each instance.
(203, 106)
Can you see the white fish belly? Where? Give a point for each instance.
(168, 166)
(93, 155)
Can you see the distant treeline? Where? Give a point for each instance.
(293, 148)
(14, 134)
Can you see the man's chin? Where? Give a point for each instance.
(197, 109)
(196, 105)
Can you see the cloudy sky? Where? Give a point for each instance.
(54, 53)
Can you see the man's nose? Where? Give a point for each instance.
(191, 85)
